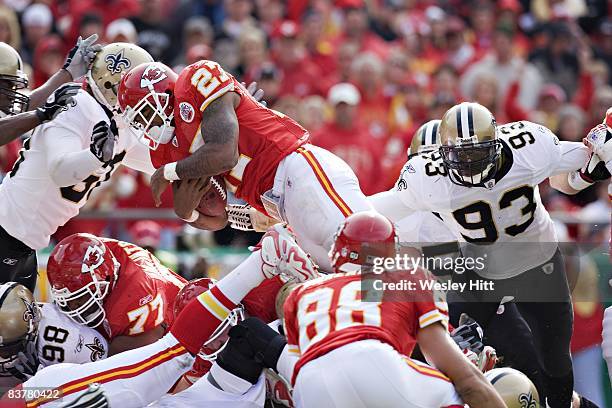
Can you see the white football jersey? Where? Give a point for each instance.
(61, 340)
(508, 215)
(32, 205)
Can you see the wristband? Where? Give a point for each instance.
(170, 172)
(194, 216)
(576, 181)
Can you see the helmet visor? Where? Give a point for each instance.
(473, 162)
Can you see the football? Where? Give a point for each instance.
(214, 199)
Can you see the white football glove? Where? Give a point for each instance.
(599, 140)
(243, 217)
(81, 55)
(594, 170)
(485, 360)
(281, 255)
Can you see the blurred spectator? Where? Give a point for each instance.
(197, 31)
(270, 13)
(107, 10)
(367, 73)
(460, 53)
(486, 93)
(356, 29)
(601, 102)
(237, 18)
(147, 234)
(444, 83)
(48, 59)
(571, 124)
(557, 61)
(91, 23)
(482, 18)
(9, 28)
(319, 49)
(121, 30)
(152, 31)
(300, 76)
(268, 79)
(289, 105)
(37, 23)
(347, 137)
(344, 58)
(312, 113)
(507, 68)
(253, 52)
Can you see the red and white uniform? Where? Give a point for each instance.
(354, 352)
(308, 183)
(143, 297)
(259, 302)
(266, 136)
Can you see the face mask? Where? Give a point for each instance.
(161, 134)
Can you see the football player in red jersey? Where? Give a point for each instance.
(138, 377)
(259, 302)
(264, 155)
(358, 349)
(118, 288)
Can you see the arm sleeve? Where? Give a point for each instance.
(573, 155)
(67, 162)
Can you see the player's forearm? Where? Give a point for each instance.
(11, 127)
(560, 183)
(209, 160)
(40, 94)
(389, 204)
(72, 168)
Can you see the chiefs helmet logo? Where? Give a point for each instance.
(152, 75)
(94, 257)
(116, 63)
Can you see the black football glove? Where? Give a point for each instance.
(469, 334)
(27, 363)
(58, 101)
(103, 140)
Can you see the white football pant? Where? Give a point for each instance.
(371, 374)
(319, 191)
(134, 378)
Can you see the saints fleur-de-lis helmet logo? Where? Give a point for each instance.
(117, 62)
(527, 400)
(97, 350)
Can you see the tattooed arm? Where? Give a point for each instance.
(220, 150)
(219, 153)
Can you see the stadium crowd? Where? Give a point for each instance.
(361, 76)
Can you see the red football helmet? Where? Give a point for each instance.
(146, 99)
(362, 236)
(194, 288)
(82, 271)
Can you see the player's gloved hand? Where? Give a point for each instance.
(484, 360)
(81, 55)
(103, 140)
(469, 334)
(599, 140)
(58, 101)
(281, 255)
(243, 217)
(594, 170)
(27, 360)
(256, 93)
